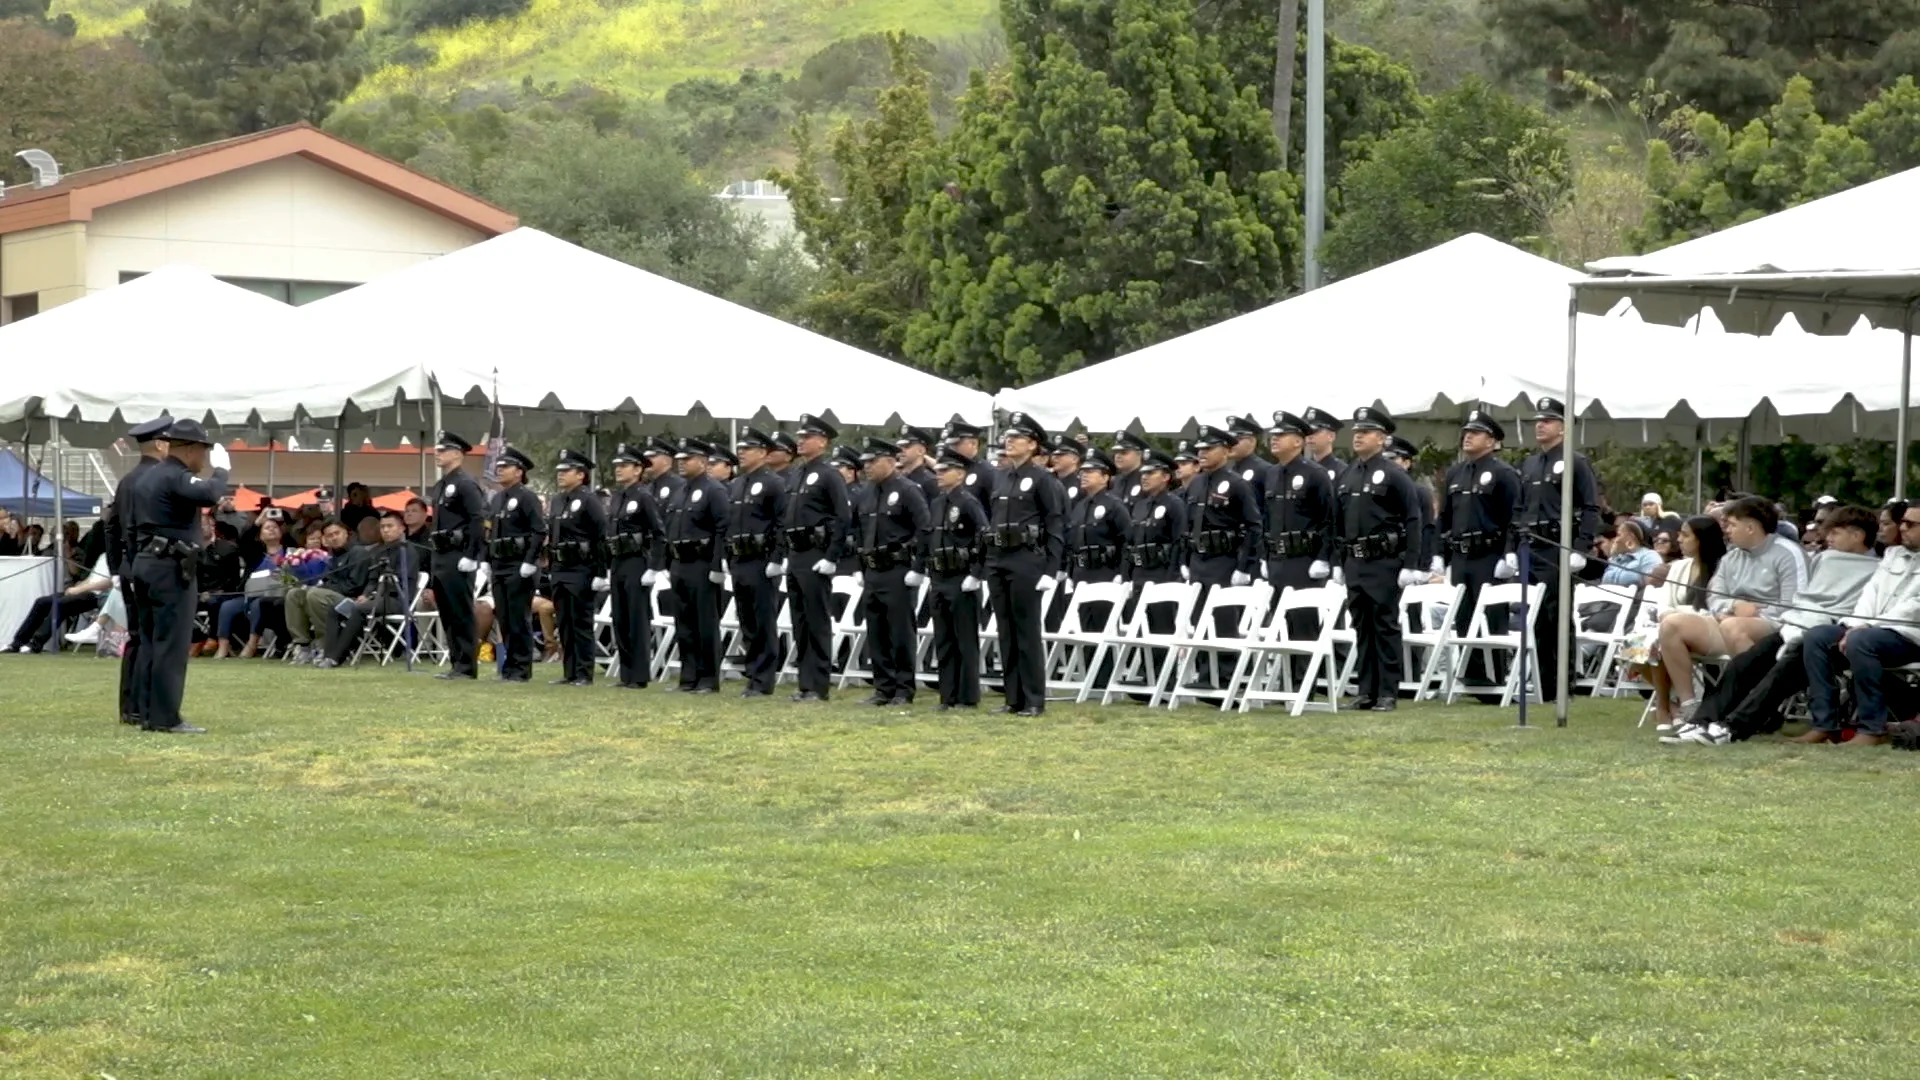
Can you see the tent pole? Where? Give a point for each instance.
(59, 531)
(1900, 423)
(339, 461)
(1316, 165)
(433, 387)
(1562, 627)
(269, 463)
(1699, 471)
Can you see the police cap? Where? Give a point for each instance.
(155, 428)
(1212, 436)
(878, 448)
(812, 425)
(1285, 423)
(1024, 425)
(517, 458)
(1241, 427)
(754, 439)
(1321, 420)
(1153, 458)
(1483, 422)
(450, 441)
(1368, 418)
(628, 454)
(187, 431)
(721, 453)
(691, 447)
(1547, 408)
(573, 459)
(1097, 458)
(1127, 440)
(913, 436)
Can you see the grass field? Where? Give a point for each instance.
(370, 875)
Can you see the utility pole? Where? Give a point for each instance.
(1316, 165)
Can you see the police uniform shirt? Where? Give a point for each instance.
(517, 516)
(1097, 527)
(1156, 546)
(1378, 498)
(460, 506)
(166, 502)
(1479, 505)
(1221, 502)
(1253, 469)
(981, 480)
(955, 521)
(1334, 468)
(580, 524)
(637, 513)
(891, 515)
(817, 501)
(664, 487)
(698, 511)
(119, 524)
(758, 507)
(1126, 488)
(1300, 499)
(1029, 497)
(1540, 478)
(924, 478)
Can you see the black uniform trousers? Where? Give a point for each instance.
(811, 597)
(696, 624)
(573, 618)
(513, 608)
(1373, 608)
(1015, 582)
(1546, 638)
(343, 631)
(1477, 573)
(756, 600)
(166, 629)
(453, 600)
(633, 620)
(39, 626)
(1212, 572)
(956, 640)
(1284, 574)
(888, 602)
(1752, 694)
(133, 596)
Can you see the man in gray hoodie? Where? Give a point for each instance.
(1757, 684)
(1883, 633)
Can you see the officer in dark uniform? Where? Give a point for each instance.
(854, 471)
(1128, 452)
(1403, 453)
(1540, 478)
(1380, 528)
(696, 520)
(723, 467)
(783, 457)
(637, 530)
(1243, 457)
(513, 555)
(1300, 512)
(955, 562)
(457, 542)
(890, 520)
(1223, 527)
(576, 560)
(1322, 429)
(1063, 460)
(164, 526)
(915, 444)
(1186, 465)
(1476, 516)
(757, 556)
(1027, 544)
(1097, 527)
(151, 437)
(816, 527)
(964, 438)
(665, 480)
(1156, 545)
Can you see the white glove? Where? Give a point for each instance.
(1117, 579)
(527, 569)
(1067, 585)
(1339, 576)
(218, 457)
(649, 578)
(776, 569)
(717, 577)
(726, 567)
(1185, 574)
(468, 566)
(1409, 578)
(824, 566)
(1041, 585)
(913, 580)
(1061, 577)
(1240, 578)
(116, 581)
(1439, 566)
(1577, 561)
(1507, 569)
(1319, 571)
(971, 584)
(599, 584)
(1264, 576)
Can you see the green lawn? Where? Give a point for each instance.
(362, 874)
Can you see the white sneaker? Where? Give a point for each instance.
(86, 635)
(1682, 734)
(1711, 735)
(1665, 729)
(24, 649)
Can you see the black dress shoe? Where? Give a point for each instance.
(750, 692)
(805, 695)
(703, 690)
(181, 728)
(1386, 704)
(1028, 712)
(1362, 704)
(998, 709)
(133, 721)
(876, 699)
(633, 686)
(900, 702)
(516, 678)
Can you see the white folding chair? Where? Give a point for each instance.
(1487, 644)
(1134, 645)
(1265, 673)
(664, 662)
(1203, 639)
(993, 665)
(1423, 649)
(606, 646)
(850, 628)
(1071, 648)
(386, 635)
(1596, 651)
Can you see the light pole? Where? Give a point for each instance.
(1316, 168)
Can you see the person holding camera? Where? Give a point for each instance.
(392, 567)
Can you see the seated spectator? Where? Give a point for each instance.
(311, 608)
(419, 521)
(393, 567)
(1881, 634)
(13, 535)
(1665, 544)
(360, 508)
(1756, 685)
(367, 533)
(1685, 589)
(36, 540)
(1629, 561)
(226, 511)
(1889, 537)
(262, 601)
(1754, 579)
(81, 598)
(221, 575)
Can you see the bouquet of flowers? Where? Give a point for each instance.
(302, 566)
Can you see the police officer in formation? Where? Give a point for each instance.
(890, 518)
(163, 509)
(819, 517)
(955, 563)
(1027, 544)
(1224, 517)
(756, 556)
(457, 539)
(514, 547)
(1323, 428)
(1403, 453)
(637, 533)
(1541, 477)
(1380, 527)
(1128, 452)
(696, 524)
(576, 561)
(1300, 510)
(1476, 517)
(1097, 527)
(152, 440)
(1156, 543)
(964, 439)
(1243, 456)
(915, 444)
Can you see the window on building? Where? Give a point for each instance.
(287, 292)
(15, 308)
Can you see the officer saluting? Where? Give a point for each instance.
(756, 553)
(636, 530)
(954, 561)
(1322, 427)
(1475, 517)
(152, 438)
(1300, 511)
(818, 517)
(164, 522)
(1380, 525)
(890, 518)
(576, 558)
(457, 540)
(1540, 478)
(513, 555)
(1027, 542)
(1128, 452)
(696, 519)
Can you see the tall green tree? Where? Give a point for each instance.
(1730, 59)
(240, 66)
(85, 102)
(36, 13)
(1479, 162)
(868, 286)
(1116, 187)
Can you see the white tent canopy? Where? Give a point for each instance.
(180, 341)
(558, 327)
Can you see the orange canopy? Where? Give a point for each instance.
(247, 499)
(392, 501)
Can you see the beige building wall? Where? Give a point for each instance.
(50, 261)
(284, 220)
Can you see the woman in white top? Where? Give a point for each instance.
(1702, 546)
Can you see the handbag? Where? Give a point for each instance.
(266, 584)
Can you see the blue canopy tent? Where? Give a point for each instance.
(26, 493)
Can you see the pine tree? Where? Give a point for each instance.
(240, 66)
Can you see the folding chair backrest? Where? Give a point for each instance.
(1183, 595)
(1115, 596)
(1425, 597)
(848, 585)
(1252, 601)
(1492, 596)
